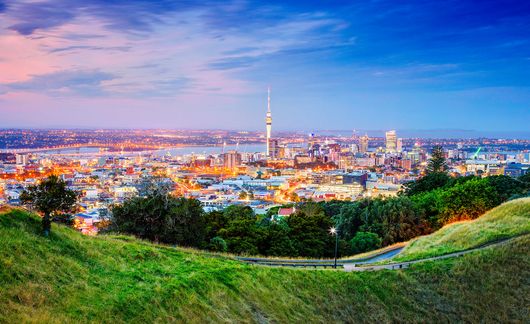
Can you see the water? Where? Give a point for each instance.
(175, 151)
(206, 150)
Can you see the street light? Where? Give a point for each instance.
(335, 232)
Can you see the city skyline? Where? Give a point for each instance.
(373, 65)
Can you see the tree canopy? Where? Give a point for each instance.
(162, 218)
(437, 162)
(50, 196)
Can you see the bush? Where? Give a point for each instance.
(467, 200)
(217, 244)
(365, 241)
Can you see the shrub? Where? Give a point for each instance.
(365, 241)
(217, 244)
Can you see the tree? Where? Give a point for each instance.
(365, 241)
(333, 207)
(151, 185)
(506, 187)
(218, 244)
(310, 231)
(393, 219)
(161, 217)
(215, 221)
(467, 200)
(275, 240)
(348, 220)
(525, 178)
(402, 221)
(437, 162)
(240, 231)
(426, 183)
(49, 196)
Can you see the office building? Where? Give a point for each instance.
(22, 159)
(231, 159)
(363, 144)
(399, 145)
(391, 141)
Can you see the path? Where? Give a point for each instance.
(406, 264)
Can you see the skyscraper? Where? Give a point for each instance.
(399, 145)
(231, 159)
(391, 141)
(268, 122)
(363, 147)
(22, 159)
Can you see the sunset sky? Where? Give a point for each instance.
(201, 64)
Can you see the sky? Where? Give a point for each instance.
(412, 65)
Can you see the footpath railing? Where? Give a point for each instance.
(319, 263)
(366, 263)
(406, 264)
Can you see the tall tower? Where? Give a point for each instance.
(268, 122)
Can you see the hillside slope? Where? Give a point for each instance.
(72, 278)
(509, 219)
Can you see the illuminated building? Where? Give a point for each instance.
(274, 149)
(231, 159)
(399, 145)
(363, 147)
(202, 163)
(391, 141)
(268, 122)
(22, 159)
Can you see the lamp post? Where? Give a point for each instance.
(335, 232)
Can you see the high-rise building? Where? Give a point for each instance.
(268, 122)
(231, 159)
(22, 159)
(363, 147)
(274, 149)
(391, 141)
(399, 145)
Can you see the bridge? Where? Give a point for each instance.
(120, 146)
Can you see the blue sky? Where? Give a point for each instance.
(207, 64)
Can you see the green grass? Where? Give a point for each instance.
(507, 220)
(72, 278)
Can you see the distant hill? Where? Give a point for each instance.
(118, 279)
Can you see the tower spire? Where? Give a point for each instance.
(268, 122)
(269, 99)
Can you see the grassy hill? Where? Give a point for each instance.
(72, 278)
(507, 220)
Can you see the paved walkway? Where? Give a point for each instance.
(366, 263)
(322, 263)
(406, 264)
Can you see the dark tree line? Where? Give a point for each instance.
(237, 229)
